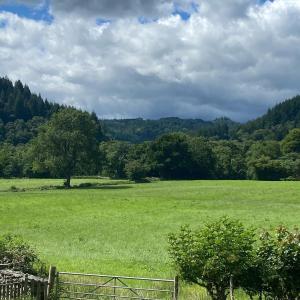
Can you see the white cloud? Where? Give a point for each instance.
(236, 65)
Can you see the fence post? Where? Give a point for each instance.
(176, 288)
(51, 279)
(26, 285)
(115, 283)
(231, 288)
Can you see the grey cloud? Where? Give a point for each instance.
(113, 8)
(216, 9)
(149, 8)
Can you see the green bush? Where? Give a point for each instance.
(214, 257)
(279, 256)
(224, 255)
(22, 257)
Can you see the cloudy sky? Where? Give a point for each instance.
(155, 58)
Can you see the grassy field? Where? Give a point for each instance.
(121, 228)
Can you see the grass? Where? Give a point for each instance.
(121, 228)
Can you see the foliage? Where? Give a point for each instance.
(265, 168)
(66, 144)
(224, 251)
(14, 250)
(276, 122)
(175, 148)
(140, 130)
(18, 103)
(230, 159)
(279, 256)
(212, 256)
(135, 170)
(114, 157)
(291, 143)
(178, 156)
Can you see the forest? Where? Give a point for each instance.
(33, 130)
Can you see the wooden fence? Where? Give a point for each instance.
(23, 288)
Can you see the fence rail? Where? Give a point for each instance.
(79, 286)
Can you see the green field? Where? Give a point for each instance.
(121, 228)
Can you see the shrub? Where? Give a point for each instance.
(14, 250)
(224, 255)
(279, 257)
(215, 257)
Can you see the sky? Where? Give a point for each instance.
(155, 58)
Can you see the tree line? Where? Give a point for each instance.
(72, 143)
(43, 139)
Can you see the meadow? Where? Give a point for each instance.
(118, 227)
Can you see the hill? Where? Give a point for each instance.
(22, 112)
(140, 130)
(276, 123)
(273, 125)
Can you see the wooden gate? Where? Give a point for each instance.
(79, 286)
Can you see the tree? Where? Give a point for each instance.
(202, 159)
(170, 154)
(136, 170)
(291, 142)
(265, 168)
(10, 161)
(230, 159)
(263, 161)
(213, 257)
(114, 157)
(66, 144)
(178, 156)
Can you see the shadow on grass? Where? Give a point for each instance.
(101, 186)
(83, 186)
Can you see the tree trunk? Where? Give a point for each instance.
(67, 182)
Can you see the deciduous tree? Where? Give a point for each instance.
(67, 144)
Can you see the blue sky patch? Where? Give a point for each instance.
(185, 15)
(38, 13)
(100, 21)
(144, 20)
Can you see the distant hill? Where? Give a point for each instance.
(276, 123)
(22, 112)
(273, 125)
(139, 130)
